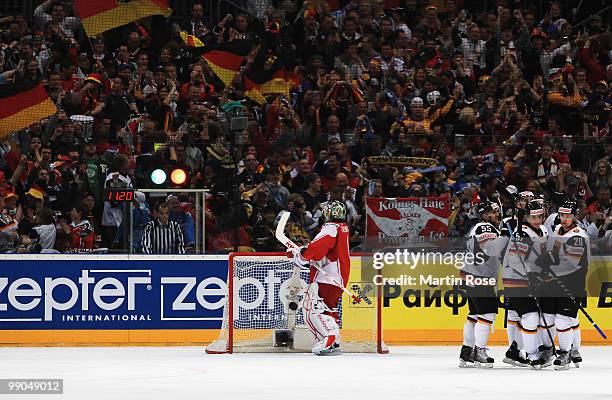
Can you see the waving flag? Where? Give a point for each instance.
(225, 59)
(22, 108)
(280, 83)
(191, 40)
(99, 16)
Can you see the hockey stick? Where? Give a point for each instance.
(577, 303)
(288, 243)
(580, 307)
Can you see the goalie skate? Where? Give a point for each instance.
(327, 347)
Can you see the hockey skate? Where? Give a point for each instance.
(535, 360)
(576, 357)
(466, 357)
(327, 347)
(482, 359)
(547, 354)
(562, 361)
(514, 358)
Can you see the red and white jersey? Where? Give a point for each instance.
(331, 247)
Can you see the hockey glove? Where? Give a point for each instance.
(535, 281)
(298, 258)
(545, 260)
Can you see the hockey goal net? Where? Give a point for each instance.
(256, 308)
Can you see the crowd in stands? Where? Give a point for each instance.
(505, 95)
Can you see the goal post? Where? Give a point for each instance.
(256, 309)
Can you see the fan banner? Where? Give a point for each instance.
(406, 221)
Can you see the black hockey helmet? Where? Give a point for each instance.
(540, 199)
(569, 207)
(534, 208)
(486, 207)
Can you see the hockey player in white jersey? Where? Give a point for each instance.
(570, 249)
(520, 277)
(513, 355)
(482, 299)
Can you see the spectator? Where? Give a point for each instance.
(80, 230)
(264, 231)
(140, 218)
(184, 219)
(55, 12)
(44, 231)
(114, 211)
(8, 226)
(162, 236)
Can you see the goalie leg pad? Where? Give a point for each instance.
(321, 324)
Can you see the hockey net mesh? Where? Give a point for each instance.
(260, 285)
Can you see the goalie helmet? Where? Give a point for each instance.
(334, 211)
(432, 97)
(569, 207)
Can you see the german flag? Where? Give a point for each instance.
(99, 16)
(280, 83)
(191, 40)
(226, 59)
(20, 109)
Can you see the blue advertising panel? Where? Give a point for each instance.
(112, 292)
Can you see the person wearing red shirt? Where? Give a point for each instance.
(80, 230)
(323, 293)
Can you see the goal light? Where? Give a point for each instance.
(178, 177)
(158, 176)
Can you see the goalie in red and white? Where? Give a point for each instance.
(330, 248)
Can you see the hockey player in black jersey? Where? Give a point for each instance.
(482, 300)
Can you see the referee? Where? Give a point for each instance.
(162, 236)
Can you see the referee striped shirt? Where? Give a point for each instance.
(163, 239)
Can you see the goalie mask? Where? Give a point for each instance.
(334, 211)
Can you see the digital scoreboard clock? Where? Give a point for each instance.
(119, 194)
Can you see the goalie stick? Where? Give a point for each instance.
(289, 244)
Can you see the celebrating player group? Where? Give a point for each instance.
(544, 261)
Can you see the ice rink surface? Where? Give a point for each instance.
(179, 373)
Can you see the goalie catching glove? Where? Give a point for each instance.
(298, 258)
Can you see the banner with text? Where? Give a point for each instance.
(112, 293)
(406, 222)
